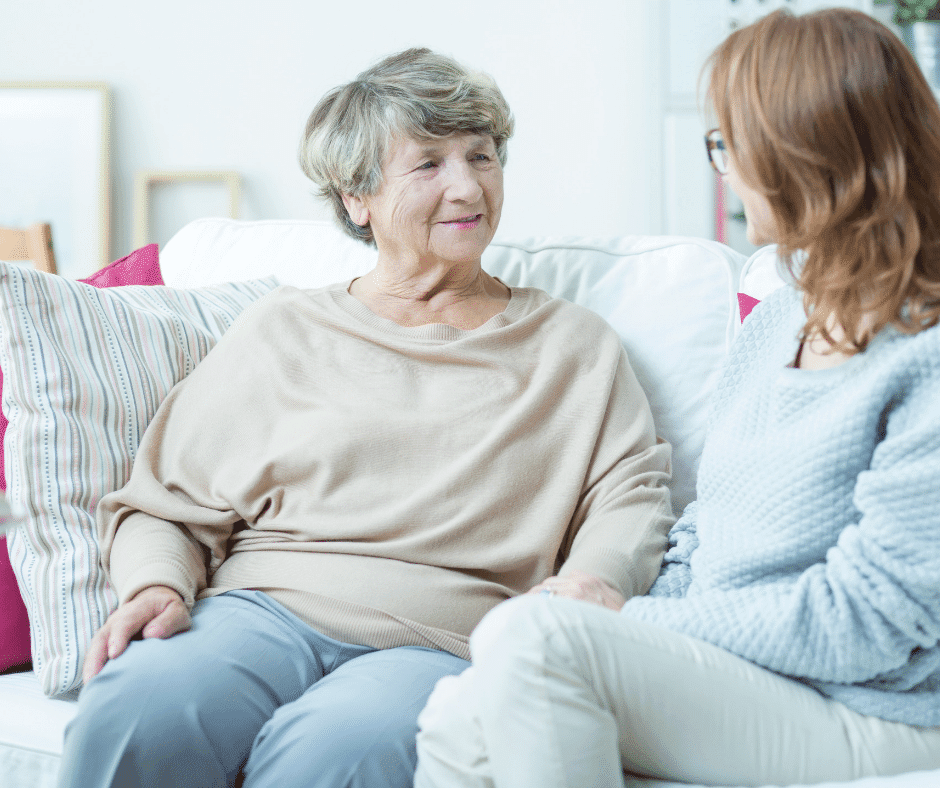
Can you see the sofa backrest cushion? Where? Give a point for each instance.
(672, 300)
(762, 274)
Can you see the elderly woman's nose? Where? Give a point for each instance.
(463, 182)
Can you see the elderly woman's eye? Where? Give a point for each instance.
(427, 165)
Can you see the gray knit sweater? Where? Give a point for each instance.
(814, 546)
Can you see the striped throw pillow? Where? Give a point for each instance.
(140, 267)
(84, 371)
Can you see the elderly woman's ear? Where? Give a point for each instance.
(356, 209)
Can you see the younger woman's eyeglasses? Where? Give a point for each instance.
(717, 153)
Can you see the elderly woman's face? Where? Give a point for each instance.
(440, 200)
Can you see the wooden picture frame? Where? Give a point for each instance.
(32, 245)
(145, 180)
(55, 160)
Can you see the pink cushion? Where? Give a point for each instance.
(745, 304)
(14, 623)
(141, 267)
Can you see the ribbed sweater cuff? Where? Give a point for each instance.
(149, 552)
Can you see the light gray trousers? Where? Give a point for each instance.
(251, 693)
(565, 694)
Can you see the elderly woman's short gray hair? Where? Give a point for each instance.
(416, 93)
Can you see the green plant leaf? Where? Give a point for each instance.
(908, 11)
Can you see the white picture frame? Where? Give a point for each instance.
(55, 160)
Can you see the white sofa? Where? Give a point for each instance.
(673, 300)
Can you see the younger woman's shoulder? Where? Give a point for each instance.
(781, 305)
(919, 352)
(930, 338)
(774, 322)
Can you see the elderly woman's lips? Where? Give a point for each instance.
(464, 221)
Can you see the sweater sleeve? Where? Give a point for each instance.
(170, 524)
(620, 527)
(873, 604)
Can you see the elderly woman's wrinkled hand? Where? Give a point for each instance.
(581, 585)
(156, 612)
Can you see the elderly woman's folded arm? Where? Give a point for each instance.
(620, 529)
(153, 552)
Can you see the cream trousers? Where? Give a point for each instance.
(565, 693)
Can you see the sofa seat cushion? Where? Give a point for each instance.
(30, 720)
(32, 728)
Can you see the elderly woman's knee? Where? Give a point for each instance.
(118, 723)
(137, 696)
(118, 689)
(297, 748)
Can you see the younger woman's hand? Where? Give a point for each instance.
(156, 612)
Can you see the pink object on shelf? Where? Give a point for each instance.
(140, 267)
(721, 215)
(721, 234)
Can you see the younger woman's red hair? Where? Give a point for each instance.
(829, 117)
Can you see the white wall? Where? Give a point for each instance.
(228, 84)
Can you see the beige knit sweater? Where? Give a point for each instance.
(390, 485)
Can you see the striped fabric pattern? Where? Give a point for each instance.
(84, 370)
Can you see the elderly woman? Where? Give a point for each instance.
(324, 509)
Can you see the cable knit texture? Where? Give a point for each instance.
(814, 546)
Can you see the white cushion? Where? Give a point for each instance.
(304, 254)
(930, 779)
(35, 722)
(763, 273)
(672, 300)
